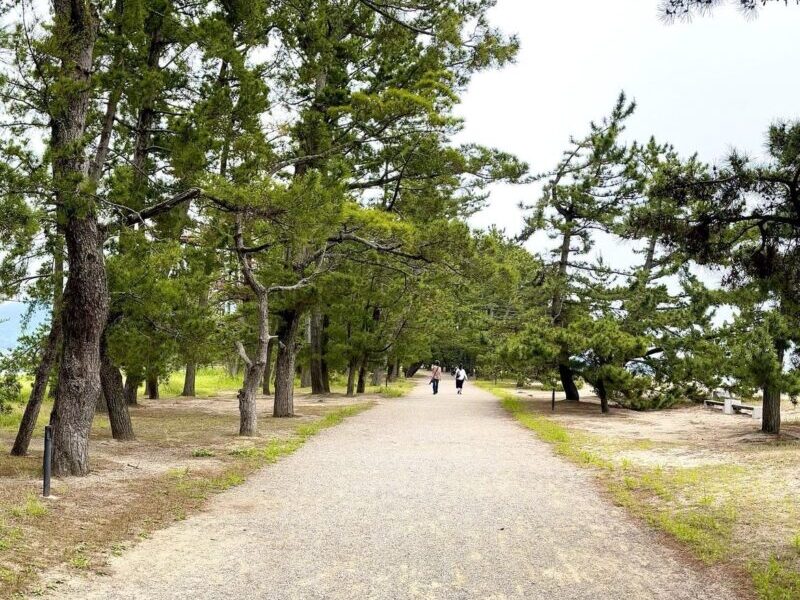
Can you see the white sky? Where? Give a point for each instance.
(704, 86)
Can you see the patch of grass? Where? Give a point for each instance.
(776, 581)
(33, 508)
(279, 448)
(78, 557)
(203, 453)
(209, 381)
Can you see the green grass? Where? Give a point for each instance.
(33, 508)
(209, 381)
(202, 453)
(276, 449)
(776, 581)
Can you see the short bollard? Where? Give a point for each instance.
(553, 402)
(46, 461)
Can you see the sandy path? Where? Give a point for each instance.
(421, 497)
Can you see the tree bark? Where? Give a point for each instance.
(284, 367)
(268, 368)
(362, 376)
(85, 300)
(377, 374)
(114, 394)
(602, 393)
(254, 371)
(771, 396)
(557, 315)
(412, 369)
(568, 382)
(44, 371)
(351, 378)
(131, 390)
(151, 386)
(189, 380)
(320, 382)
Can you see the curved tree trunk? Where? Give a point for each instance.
(132, 390)
(114, 395)
(254, 371)
(568, 382)
(285, 364)
(85, 299)
(31, 414)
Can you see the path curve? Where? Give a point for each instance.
(420, 497)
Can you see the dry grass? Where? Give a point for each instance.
(711, 481)
(186, 450)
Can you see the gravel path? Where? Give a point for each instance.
(420, 497)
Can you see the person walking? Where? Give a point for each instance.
(436, 377)
(461, 377)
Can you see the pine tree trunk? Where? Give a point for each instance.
(285, 364)
(320, 382)
(412, 369)
(268, 368)
(151, 386)
(254, 370)
(189, 380)
(771, 405)
(568, 382)
(114, 396)
(378, 373)
(85, 299)
(362, 377)
(132, 390)
(43, 370)
(305, 376)
(602, 393)
(351, 378)
(771, 416)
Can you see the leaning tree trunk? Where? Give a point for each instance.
(602, 393)
(151, 386)
(31, 414)
(412, 369)
(351, 377)
(44, 371)
(285, 364)
(114, 393)
(189, 380)
(132, 390)
(568, 382)
(85, 300)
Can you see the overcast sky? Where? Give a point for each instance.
(704, 86)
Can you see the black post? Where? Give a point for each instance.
(553, 402)
(48, 455)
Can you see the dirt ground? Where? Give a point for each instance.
(711, 478)
(186, 450)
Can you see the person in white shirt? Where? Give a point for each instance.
(461, 377)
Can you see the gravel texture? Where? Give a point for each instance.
(440, 497)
